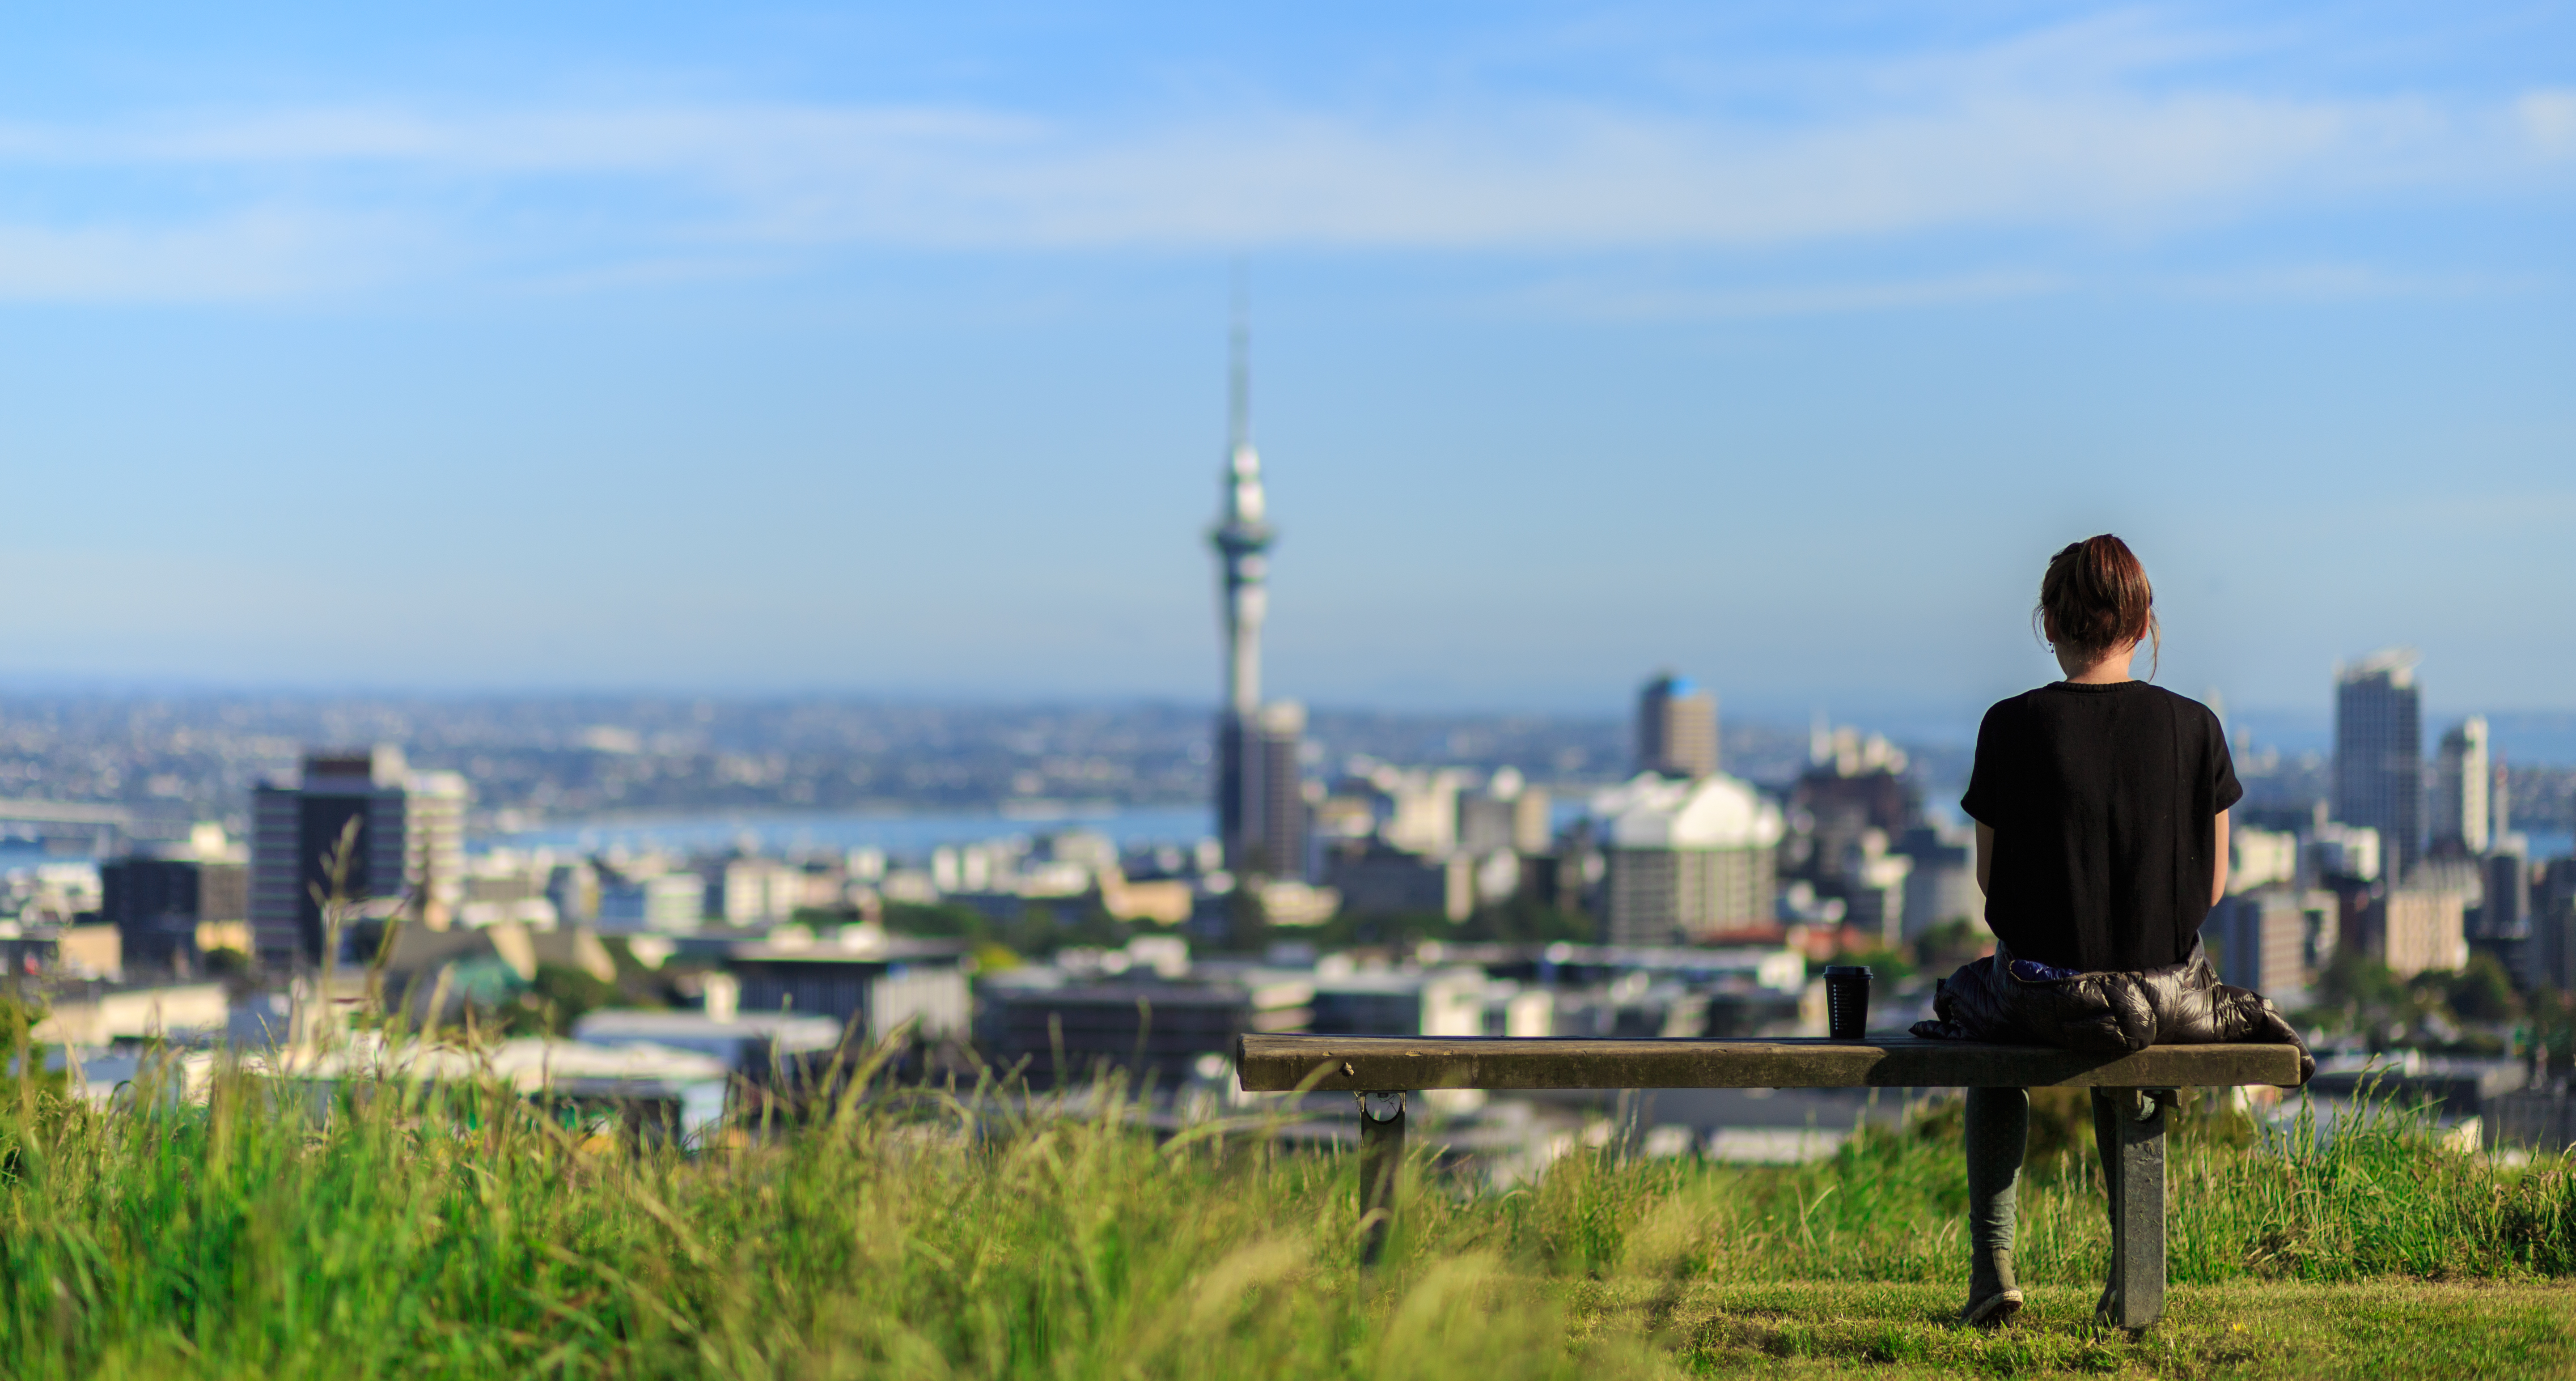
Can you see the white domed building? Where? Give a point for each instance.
(1687, 857)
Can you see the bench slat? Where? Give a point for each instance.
(1386, 1063)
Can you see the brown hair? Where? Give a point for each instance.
(2095, 597)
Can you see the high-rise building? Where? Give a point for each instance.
(1275, 786)
(2461, 781)
(1260, 799)
(2504, 904)
(408, 853)
(1687, 857)
(2379, 754)
(1676, 728)
(2552, 955)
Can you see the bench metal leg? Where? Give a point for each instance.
(1381, 1158)
(2129, 1129)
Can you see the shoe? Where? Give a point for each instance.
(1993, 1311)
(1993, 1295)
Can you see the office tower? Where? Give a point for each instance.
(2504, 906)
(408, 858)
(158, 903)
(1676, 728)
(1260, 804)
(1687, 857)
(2552, 955)
(2460, 785)
(1275, 786)
(2379, 754)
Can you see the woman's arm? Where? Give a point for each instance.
(2217, 868)
(1986, 855)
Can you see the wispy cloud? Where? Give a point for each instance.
(1611, 300)
(2045, 133)
(2549, 118)
(251, 254)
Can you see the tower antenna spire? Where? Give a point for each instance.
(1238, 398)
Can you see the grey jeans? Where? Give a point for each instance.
(1998, 1134)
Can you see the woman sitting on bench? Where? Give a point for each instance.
(2101, 807)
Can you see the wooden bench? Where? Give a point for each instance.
(1381, 1069)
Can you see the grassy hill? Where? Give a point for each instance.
(256, 1236)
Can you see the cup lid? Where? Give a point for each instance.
(1847, 971)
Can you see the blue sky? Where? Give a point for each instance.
(768, 347)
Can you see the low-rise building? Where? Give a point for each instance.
(2335, 849)
(1050, 1024)
(2417, 930)
(2260, 858)
(750, 1043)
(1376, 879)
(1443, 1002)
(88, 952)
(657, 901)
(94, 1014)
(869, 982)
(1941, 885)
(2274, 939)
(750, 891)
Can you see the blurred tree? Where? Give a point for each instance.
(1525, 921)
(1885, 965)
(2357, 994)
(1951, 943)
(935, 920)
(2484, 991)
(554, 999)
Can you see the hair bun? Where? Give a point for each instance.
(2095, 597)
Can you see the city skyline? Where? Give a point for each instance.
(804, 350)
(628, 738)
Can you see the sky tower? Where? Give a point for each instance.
(1242, 536)
(1260, 803)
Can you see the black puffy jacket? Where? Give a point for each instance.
(2106, 1013)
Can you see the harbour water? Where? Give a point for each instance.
(898, 835)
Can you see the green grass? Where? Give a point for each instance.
(252, 1238)
(2379, 1329)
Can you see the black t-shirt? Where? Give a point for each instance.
(2104, 801)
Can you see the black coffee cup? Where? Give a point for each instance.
(1846, 1001)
